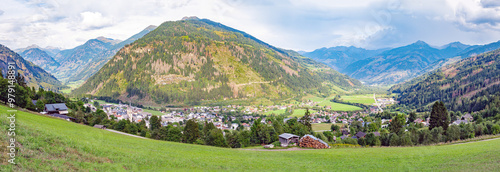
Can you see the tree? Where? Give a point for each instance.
(372, 140)
(306, 119)
(437, 134)
(397, 123)
(191, 131)
(495, 129)
(453, 133)
(412, 117)
(329, 135)
(439, 116)
(206, 130)
(174, 134)
(216, 138)
(335, 127)
(362, 141)
(394, 140)
(154, 123)
(40, 106)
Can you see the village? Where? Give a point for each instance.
(236, 117)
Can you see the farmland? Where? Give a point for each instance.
(366, 99)
(323, 126)
(48, 144)
(334, 106)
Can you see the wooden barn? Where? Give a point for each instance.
(287, 138)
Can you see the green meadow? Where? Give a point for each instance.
(366, 99)
(50, 144)
(334, 106)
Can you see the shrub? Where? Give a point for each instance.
(276, 143)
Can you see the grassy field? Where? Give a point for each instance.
(276, 112)
(366, 99)
(323, 126)
(48, 144)
(335, 106)
(300, 112)
(153, 112)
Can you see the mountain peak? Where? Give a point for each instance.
(108, 40)
(420, 43)
(33, 46)
(190, 18)
(455, 45)
(151, 27)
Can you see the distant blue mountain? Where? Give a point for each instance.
(340, 57)
(391, 66)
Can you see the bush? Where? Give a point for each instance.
(276, 144)
(394, 140)
(495, 129)
(362, 141)
(349, 140)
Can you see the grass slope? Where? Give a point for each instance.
(335, 106)
(48, 144)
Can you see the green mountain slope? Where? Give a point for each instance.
(34, 75)
(48, 144)
(40, 58)
(195, 60)
(470, 85)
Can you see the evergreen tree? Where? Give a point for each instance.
(397, 123)
(439, 116)
(306, 119)
(412, 117)
(191, 131)
(154, 123)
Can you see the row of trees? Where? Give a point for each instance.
(403, 133)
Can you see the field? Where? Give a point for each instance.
(153, 112)
(48, 144)
(335, 106)
(366, 99)
(323, 126)
(300, 112)
(276, 112)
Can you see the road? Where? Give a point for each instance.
(119, 132)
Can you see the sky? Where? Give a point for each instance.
(291, 24)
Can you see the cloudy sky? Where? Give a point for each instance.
(291, 24)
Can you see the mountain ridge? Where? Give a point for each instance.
(198, 60)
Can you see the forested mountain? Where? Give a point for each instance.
(34, 75)
(98, 61)
(40, 58)
(74, 60)
(399, 64)
(470, 85)
(195, 60)
(340, 57)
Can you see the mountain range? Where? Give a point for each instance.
(34, 75)
(469, 85)
(397, 65)
(81, 62)
(195, 60)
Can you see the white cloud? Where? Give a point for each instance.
(292, 24)
(94, 20)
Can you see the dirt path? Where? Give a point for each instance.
(476, 141)
(119, 132)
(289, 149)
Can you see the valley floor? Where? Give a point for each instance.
(49, 144)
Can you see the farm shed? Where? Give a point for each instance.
(287, 138)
